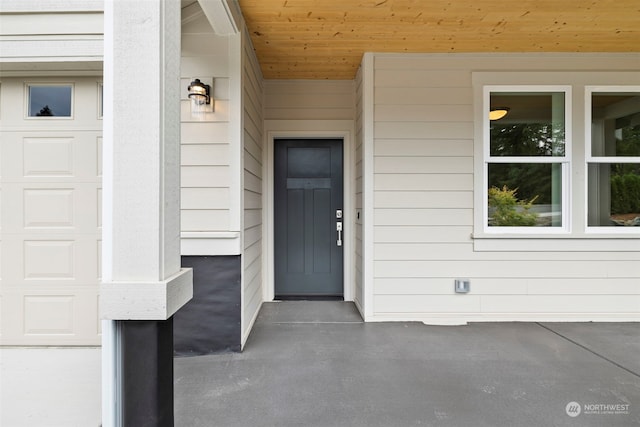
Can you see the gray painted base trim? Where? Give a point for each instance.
(210, 322)
(147, 373)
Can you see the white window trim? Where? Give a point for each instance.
(27, 99)
(589, 159)
(579, 239)
(565, 162)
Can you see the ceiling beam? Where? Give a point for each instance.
(223, 15)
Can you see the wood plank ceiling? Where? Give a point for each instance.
(325, 39)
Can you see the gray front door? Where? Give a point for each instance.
(308, 213)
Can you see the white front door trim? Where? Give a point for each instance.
(274, 129)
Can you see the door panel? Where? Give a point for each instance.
(308, 193)
(50, 193)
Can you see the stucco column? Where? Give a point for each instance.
(142, 282)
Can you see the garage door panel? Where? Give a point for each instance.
(51, 208)
(51, 157)
(47, 156)
(50, 218)
(49, 259)
(48, 207)
(63, 317)
(48, 314)
(52, 262)
(87, 155)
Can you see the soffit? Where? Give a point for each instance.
(325, 39)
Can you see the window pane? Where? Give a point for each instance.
(525, 194)
(615, 124)
(533, 126)
(614, 194)
(48, 101)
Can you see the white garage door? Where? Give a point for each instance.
(50, 168)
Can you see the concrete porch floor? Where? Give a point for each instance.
(317, 364)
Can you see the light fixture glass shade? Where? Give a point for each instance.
(198, 98)
(199, 94)
(498, 113)
(198, 105)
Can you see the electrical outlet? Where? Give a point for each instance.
(462, 286)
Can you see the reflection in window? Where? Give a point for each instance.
(526, 158)
(533, 126)
(615, 124)
(614, 194)
(525, 194)
(613, 171)
(50, 101)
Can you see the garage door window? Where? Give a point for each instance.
(49, 100)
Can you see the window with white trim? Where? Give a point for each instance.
(527, 156)
(613, 158)
(49, 100)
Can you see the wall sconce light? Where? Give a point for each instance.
(498, 112)
(200, 96)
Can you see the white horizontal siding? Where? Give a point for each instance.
(464, 251)
(252, 154)
(423, 113)
(18, 6)
(423, 147)
(418, 63)
(561, 304)
(424, 199)
(204, 220)
(205, 154)
(507, 304)
(426, 304)
(424, 182)
(204, 133)
(410, 77)
(205, 176)
(501, 268)
(424, 96)
(73, 48)
(416, 130)
(31, 24)
(402, 233)
(204, 198)
(408, 216)
(206, 147)
(423, 207)
(309, 99)
(415, 164)
(64, 36)
(508, 286)
(216, 65)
